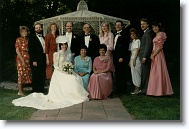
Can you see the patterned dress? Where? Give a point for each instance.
(24, 73)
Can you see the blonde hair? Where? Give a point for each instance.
(53, 23)
(24, 28)
(106, 24)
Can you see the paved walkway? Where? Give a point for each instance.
(93, 110)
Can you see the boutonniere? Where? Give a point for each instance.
(86, 59)
(74, 37)
(105, 59)
(90, 39)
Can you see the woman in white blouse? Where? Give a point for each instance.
(135, 63)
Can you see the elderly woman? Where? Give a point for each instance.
(83, 66)
(100, 84)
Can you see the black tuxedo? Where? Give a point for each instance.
(74, 44)
(93, 48)
(122, 73)
(37, 55)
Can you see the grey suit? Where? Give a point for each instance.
(145, 52)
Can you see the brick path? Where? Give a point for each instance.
(93, 110)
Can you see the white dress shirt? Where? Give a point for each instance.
(87, 38)
(116, 37)
(69, 36)
(42, 41)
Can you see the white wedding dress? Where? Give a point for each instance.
(65, 89)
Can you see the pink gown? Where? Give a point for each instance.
(159, 82)
(100, 85)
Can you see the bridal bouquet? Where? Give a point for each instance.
(67, 67)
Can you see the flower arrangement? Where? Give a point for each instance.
(67, 67)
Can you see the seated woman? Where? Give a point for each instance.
(83, 66)
(100, 84)
(66, 89)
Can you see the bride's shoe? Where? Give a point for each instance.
(21, 94)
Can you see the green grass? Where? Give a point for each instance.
(143, 107)
(10, 112)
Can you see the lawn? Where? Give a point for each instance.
(143, 107)
(10, 112)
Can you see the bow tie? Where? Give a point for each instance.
(40, 35)
(117, 33)
(87, 34)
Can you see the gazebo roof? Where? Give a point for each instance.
(84, 15)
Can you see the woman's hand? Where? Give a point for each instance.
(47, 61)
(152, 57)
(134, 63)
(129, 64)
(23, 63)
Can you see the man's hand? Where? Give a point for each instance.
(34, 63)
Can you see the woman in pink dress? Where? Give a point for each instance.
(100, 84)
(106, 37)
(159, 82)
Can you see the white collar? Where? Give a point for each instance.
(146, 30)
(119, 31)
(67, 33)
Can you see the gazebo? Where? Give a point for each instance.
(79, 17)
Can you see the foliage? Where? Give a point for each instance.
(9, 71)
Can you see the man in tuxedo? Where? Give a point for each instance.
(121, 57)
(73, 40)
(91, 41)
(144, 53)
(36, 46)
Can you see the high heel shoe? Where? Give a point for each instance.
(135, 93)
(20, 94)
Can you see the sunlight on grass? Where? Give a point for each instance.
(10, 112)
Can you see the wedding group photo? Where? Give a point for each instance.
(90, 60)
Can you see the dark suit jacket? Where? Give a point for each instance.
(121, 48)
(146, 46)
(93, 48)
(36, 51)
(74, 43)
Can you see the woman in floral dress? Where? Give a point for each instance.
(23, 59)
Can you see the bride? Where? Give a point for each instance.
(65, 89)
